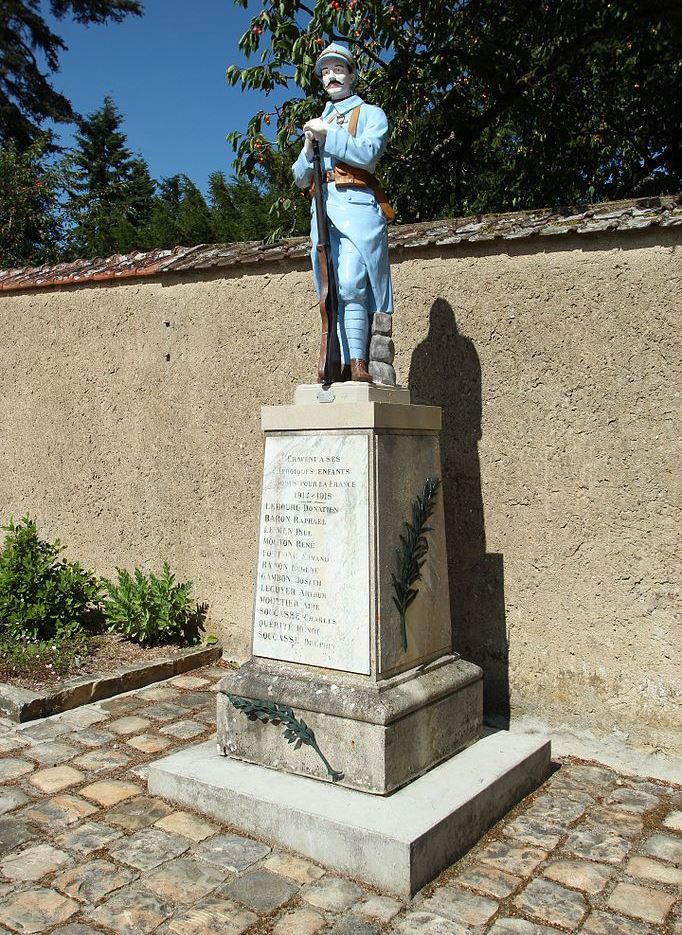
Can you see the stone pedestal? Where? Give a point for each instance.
(385, 696)
(342, 690)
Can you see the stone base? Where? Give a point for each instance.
(399, 843)
(380, 735)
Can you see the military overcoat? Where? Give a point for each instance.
(354, 211)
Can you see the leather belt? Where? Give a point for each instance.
(329, 176)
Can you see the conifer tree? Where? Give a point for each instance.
(29, 54)
(180, 215)
(111, 191)
(240, 210)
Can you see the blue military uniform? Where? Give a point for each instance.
(357, 226)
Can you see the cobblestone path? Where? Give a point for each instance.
(84, 849)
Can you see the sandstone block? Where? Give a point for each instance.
(332, 893)
(165, 711)
(552, 904)
(132, 911)
(382, 908)
(674, 821)
(138, 813)
(665, 847)
(184, 730)
(189, 681)
(295, 868)
(213, 915)
(512, 858)
(382, 373)
(598, 845)
(426, 923)
(148, 743)
(641, 902)
(231, 852)
(608, 923)
(111, 791)
(260, 890)
(99, 760)
(300, 922)
(128, 725)
(382, 323)
(196, 829)
(147, 849)
(652, 870)
(92, 881)
(489, 881)
(56, 778)
(88, 837)
(34, 862)
(35, 910)
(184, 880)
(461, 906)
(381, 349)
(12, 769)
(579, 874)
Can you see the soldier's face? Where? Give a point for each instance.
(337, 79)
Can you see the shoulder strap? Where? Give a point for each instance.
(353, 122)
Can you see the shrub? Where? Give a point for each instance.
(41, 595)
(148, 609)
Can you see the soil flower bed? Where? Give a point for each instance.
(103, 653)
(69, 637)
(114, 666)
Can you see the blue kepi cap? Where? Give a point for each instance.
(337, 51)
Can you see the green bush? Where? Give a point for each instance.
(41, 595)
(148, 609)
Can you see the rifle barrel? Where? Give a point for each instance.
(329, 365)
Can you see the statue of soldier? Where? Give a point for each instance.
(352, 137)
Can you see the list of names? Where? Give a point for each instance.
(312, 592)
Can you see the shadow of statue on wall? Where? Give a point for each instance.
(445, 371)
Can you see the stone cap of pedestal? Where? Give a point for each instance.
(309, 394)
(334, 693)
(351, 406)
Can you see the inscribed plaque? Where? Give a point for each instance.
(312, 592)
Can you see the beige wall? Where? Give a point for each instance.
(557, 364)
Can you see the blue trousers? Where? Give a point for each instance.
(351, 276)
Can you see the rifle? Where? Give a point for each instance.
(329, 363)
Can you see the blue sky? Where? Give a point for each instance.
(166, 74)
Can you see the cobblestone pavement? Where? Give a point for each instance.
(84, 849)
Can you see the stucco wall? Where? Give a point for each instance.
(557, 366)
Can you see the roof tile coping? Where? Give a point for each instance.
(631, 214)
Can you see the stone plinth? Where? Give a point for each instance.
(397, 843)
(380, 735)
(386, 698)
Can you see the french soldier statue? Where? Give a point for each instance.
(352, 137)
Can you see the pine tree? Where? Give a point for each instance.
(180, 215)
(27, 45)
(240, 209)
(111, 191)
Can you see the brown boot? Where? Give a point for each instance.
(359, 372)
